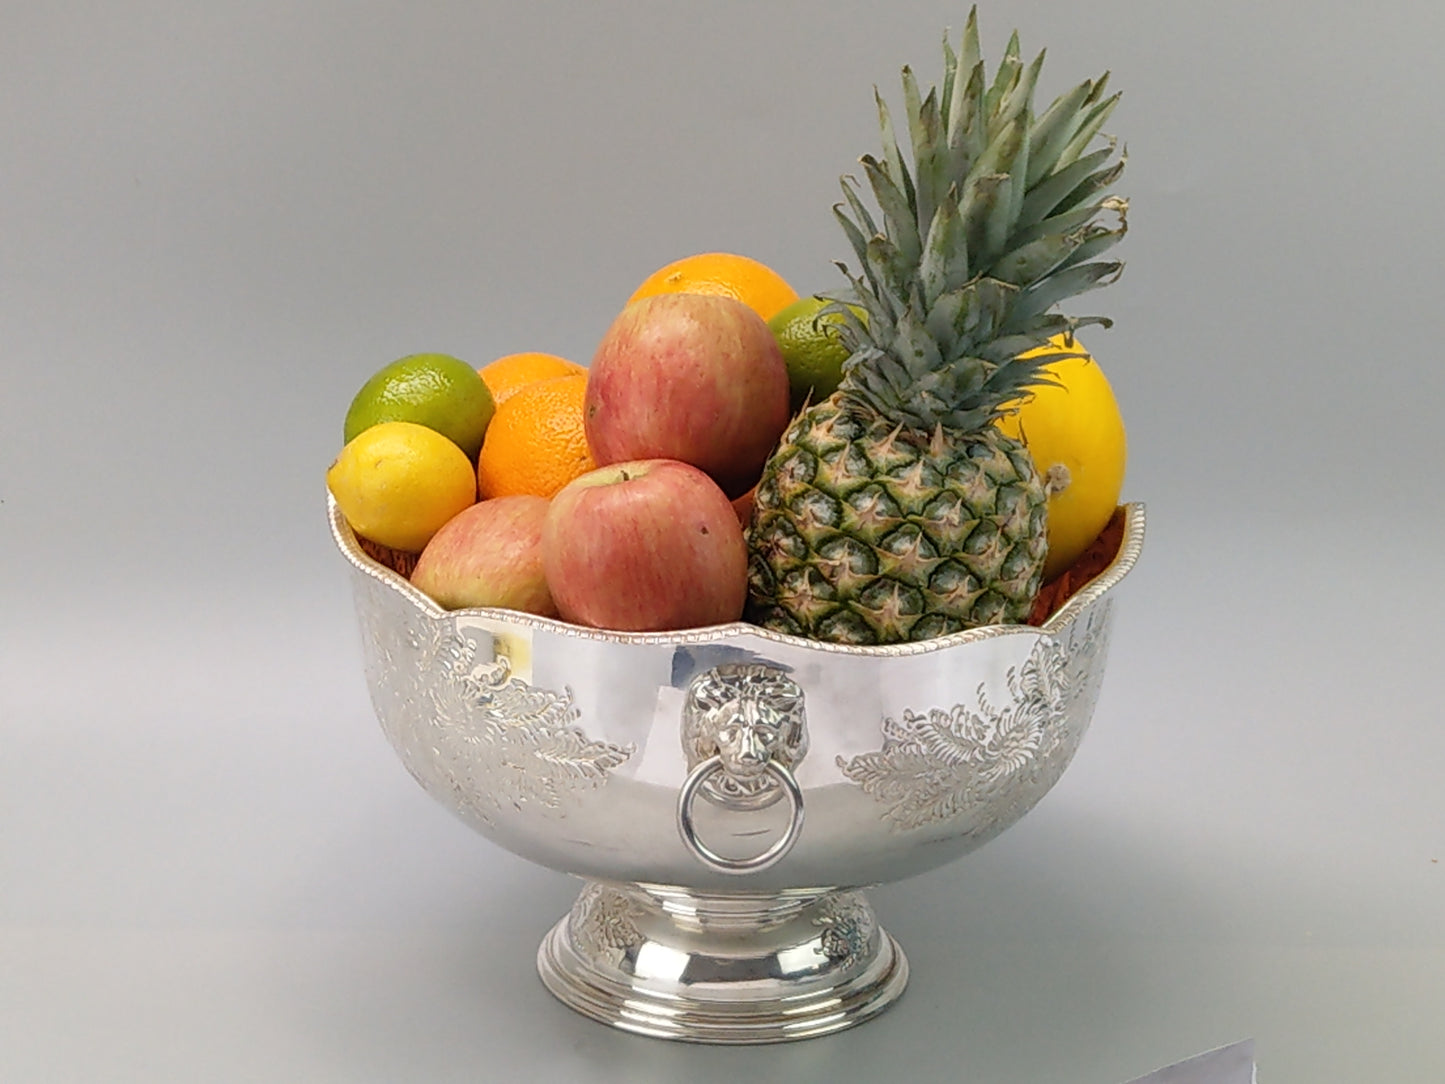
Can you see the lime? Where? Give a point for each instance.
(398, 482)
(811, 348)
(434, 390)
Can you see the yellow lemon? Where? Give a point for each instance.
(398, 482)
(1075, 434)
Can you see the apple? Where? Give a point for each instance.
(645, 546)
(489, 555)
(690, 377)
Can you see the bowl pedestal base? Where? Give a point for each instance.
(735, 968)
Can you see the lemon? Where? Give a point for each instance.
(435, 390)
(398, 482)
(1075, 434)
(811, 349)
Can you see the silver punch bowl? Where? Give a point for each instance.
(724, 793)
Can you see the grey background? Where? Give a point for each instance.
(216, 220)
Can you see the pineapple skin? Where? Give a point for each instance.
(866, 532)
(896, 510)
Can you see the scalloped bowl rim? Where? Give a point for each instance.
(1129, 549)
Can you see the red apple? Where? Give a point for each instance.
(489, 555)
(645, 546)
(690, 377)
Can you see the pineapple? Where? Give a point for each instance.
(895, 509)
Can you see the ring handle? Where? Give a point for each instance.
(710, 858)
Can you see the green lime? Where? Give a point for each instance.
(434, 390)
(811, 348)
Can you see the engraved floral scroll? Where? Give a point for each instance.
(982, 763)
(489, 741)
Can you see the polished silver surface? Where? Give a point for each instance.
(701, 776)
(747, 716)
(672, 772)
(736, 968)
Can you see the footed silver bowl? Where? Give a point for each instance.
(725, 792)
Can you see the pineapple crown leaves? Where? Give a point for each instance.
(1000, 216)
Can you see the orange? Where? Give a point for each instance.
(536, 442)
(505, 375)
(754, 284)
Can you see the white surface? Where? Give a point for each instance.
(1233, 1064)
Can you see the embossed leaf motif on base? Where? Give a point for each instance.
(490, 740)
(848, 927)
(604, 923)
(982, 763)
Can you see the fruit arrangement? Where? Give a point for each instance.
(926, 449)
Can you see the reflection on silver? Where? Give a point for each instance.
(603, 921)
(848, 926)
(465, 727)
(711, 769)
(978, 765)
(739, 968)
(572, 748)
